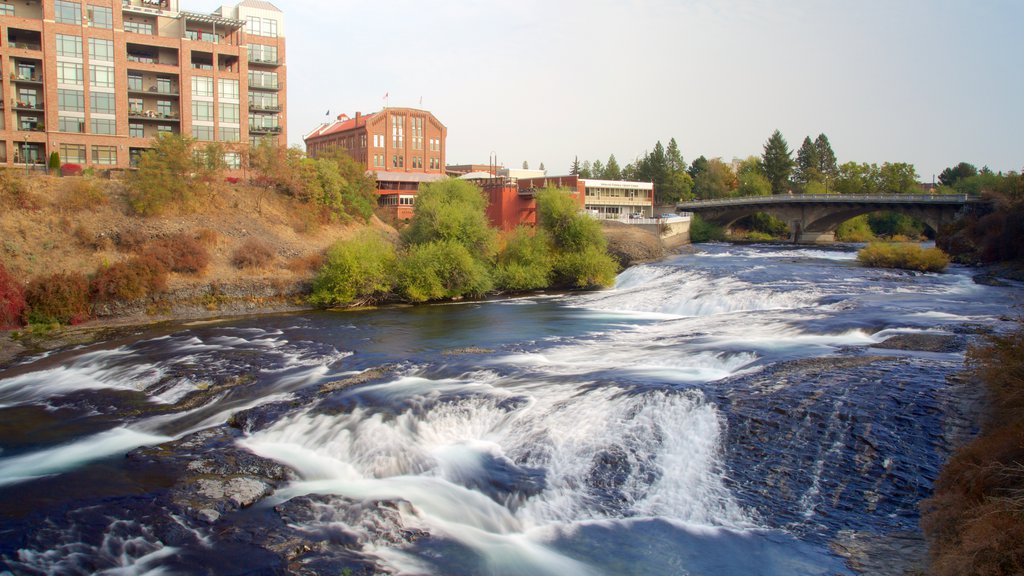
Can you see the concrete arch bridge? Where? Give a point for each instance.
(814, 218)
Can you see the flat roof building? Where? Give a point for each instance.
(403, 147)
(96, 81)
(614, 199)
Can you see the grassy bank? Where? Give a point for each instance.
(975, 520)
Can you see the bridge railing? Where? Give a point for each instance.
(834, 198)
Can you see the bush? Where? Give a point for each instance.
(166, 176)
(14, 192)
(82, 194)
(129, 280)
(253, 253)
(207, 237)
(769, 225)
(559, 214)
(903, 256)
(71, 170)
(439, 270)
(179, 253)
(590, 268)
(305, 264)
(892, 224)
(132, 239)
(703, 231)
(12, 300)
(58, 298)
(452, 211)
(358, 270)
(855, 230)
(525, 263)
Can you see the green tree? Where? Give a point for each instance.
(541, 167)
(585, 171)
(575, 170)
(752, 181)
(827, 165)
(525, 262)
(591, 267)
(674, 158)
(165, 176)
(441, 269)
(858, 178)
(526, 165)
(716, 180)
(559, 214)
(898, 178)
(597, 170)
(950, 176)
(777, 162)
(677, 187)
(808, 164)
(360, 270)
(699, 165)
(612, 170)
(452, 211)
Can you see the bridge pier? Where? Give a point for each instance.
(816, 237)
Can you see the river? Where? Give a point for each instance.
(730, 411)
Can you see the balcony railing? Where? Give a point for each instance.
(154, 90)
(265, 107)
(261, 60)
(264, 85)
(26, 46)
(27, 78)
(264, 129)
(22, 105)
(152, 115)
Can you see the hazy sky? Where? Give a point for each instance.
(930, 82)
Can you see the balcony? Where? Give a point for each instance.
(264, 85)
(26, 78)
(155, 90)
(156, 7)
(253, 59)
(264, 129)
(265, 107)
(25, 46)
(152, 116)
(26, 106)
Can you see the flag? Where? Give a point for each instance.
(328, 113)
(386, 95)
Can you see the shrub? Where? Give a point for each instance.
(165, 176)
(129, 280)
(452, 211)
(305, 264)
(12, 300)
(179, 253)
(71, 170)
(590, 268)
(207, 237)
(904, 256)
(756, 236)
(54, 164)
(525, 262)
(559, 214)
(132, 239)
(440, 270)
(703, 231)
(361, 269)
(14, 191)
(58, 298)
(82, 194)
(855, 230)
(253, 253)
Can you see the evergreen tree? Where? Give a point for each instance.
(597, 169)
(542, 166)
(585, 170)
(612, 170)
(674, 158)
(827, 164)
(950, 176)
(575, 170)
(699, 165)
(777, 162)
(807, 164)
(526, 165)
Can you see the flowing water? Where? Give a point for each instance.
(722, 412)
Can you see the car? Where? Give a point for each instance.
(667, 215)
(637, 215)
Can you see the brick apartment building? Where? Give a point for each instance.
(96, 80)
(404, 147)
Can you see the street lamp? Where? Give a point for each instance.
(24, 154)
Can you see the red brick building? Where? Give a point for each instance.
(96, 80)
(512, 202)
(403, 147)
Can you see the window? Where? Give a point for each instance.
(435, 163)
(397, 130)
(378, 160)
(100, 16)
(101, 102)
(138, 27)
(398, 161)
(136, 130)
(68, 45)
(103, 126)
(202, 86)
(165, 108)
(71, 124)
(233, 160)
(70, 100)
(261, 53)
(204, 133)
(73, 153)
(65, 12)
(260, 79)
(105, 155)
(28, 97)
(263, 100)
(164, 129)
(227, 89)
(417, 162)
(202, 111)
(417, 134)
(135, 105)
(164, 86)
(261, 26)
(69, 73)
(5, 10)
(229, 113)
(229, 134)
(135, 82)
(101, 76)
(378, 140)
(100, 49)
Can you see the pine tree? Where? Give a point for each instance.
(575, 171)
(585, 170)
(526, 165)
(542, 166)
(827, 165)
(808, 164)
(674, 158)
(699, 165)
(612, 170)
(597, 169)
(778, 162)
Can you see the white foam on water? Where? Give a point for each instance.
(66, 457)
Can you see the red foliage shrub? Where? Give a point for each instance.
(129, 280)
(71, 170)
(62, 297)
(306, 264)
(232, 179)
(253, 253)
(132, 240)
(179, 253)
(12, 300)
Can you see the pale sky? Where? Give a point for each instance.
(929, 82)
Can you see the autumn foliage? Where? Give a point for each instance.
(61, 298)
(12, 300)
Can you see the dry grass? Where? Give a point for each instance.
(975, 520)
